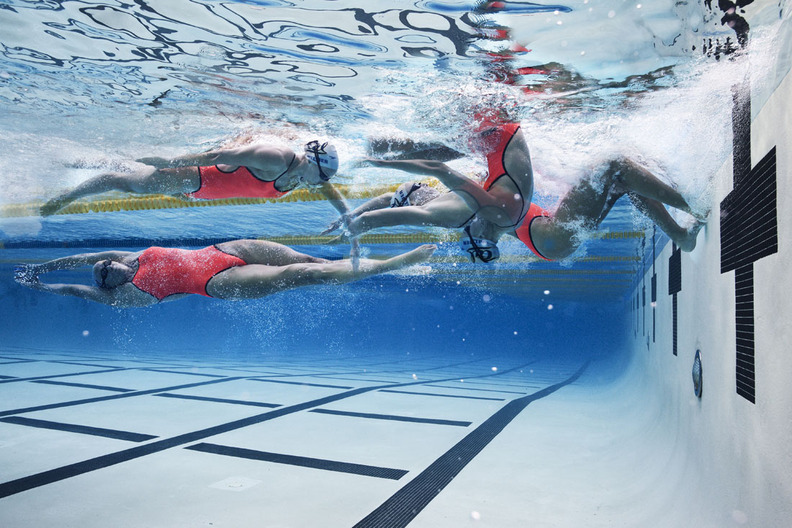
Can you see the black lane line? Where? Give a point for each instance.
(85, 373)
(404, 505)
(83, 386)
(19, 485)
(218, 400)
(479, 390)
(7, 377)
(64, 362)
(164, 371)
(442, 395)
(82, 429)
(112, 397)
(18, 361)
(292, 460)
(342, 387)
(392, 417)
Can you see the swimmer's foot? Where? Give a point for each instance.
(419, 254)
(688, 243)
(52, 206)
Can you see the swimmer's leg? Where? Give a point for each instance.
(447, 210)
(685, 238)
(146, 180)
(636, 179)
(585, 206)
(253, 281)
(472, 193)
(266, 253)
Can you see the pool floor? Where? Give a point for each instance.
(88, 441)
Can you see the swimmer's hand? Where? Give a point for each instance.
(155, 161)
(336, 224)
(26, 275)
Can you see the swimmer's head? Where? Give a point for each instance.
(324, 156)
(479, 248)
(109, 274)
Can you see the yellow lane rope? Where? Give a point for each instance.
(162, 201)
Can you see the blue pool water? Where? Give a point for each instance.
(87, 86)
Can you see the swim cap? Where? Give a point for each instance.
(481, 248)
(324, 156)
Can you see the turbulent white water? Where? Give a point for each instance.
(98, 83)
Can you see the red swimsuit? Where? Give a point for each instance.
(496, 141)
(169, 271)
(240, 183)
(524, 231)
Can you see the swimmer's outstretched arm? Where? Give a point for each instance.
(73, 261)
(89, 293)
(255, 155)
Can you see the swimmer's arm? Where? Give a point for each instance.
(75, 261)
(256, 156)
(90, 293)
(335, 198)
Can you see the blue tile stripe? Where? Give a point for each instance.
(307, 462)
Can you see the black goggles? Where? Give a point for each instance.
(315, 148)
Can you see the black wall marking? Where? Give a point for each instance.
(654, 283)
(395, 418)
(404, 505)
(292, 460)
(82, 429)
(749, 232)
(674, 287)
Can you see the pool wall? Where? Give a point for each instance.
(732, 303)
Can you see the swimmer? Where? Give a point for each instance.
(502, 206)
(256, 170)
(235, 270)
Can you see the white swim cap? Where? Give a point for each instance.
(324, 155)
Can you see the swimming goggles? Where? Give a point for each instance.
(401, 198)
(315, 148)
(479, 248)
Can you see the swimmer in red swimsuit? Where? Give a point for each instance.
(239, 269)
(252, 171)
(502, 205)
